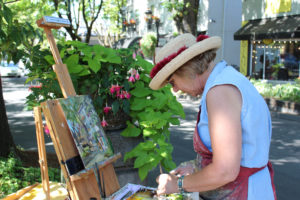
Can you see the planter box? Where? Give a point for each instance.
(287, 107)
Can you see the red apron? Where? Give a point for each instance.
(237, 189)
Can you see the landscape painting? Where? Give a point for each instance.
(86, 129)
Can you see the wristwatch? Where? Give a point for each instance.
(180, 184)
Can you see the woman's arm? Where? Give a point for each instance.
(224, 105)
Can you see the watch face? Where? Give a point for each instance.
(180, 184)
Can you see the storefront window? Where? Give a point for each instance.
(278, 60)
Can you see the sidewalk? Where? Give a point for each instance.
(284, 153)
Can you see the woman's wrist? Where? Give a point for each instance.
(180, 184)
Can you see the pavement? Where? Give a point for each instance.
(284, 152)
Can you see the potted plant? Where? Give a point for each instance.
(117, 81)
(148, 44)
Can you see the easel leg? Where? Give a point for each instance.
(42, 151)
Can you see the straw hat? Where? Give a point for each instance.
(176, 53)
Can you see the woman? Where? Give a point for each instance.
(233, 133)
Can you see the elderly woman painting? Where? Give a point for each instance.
(233, 133)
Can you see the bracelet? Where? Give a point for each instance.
(180, 184)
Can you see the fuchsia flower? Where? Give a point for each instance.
(118, 88)
(104, 123)
(134, 55)
(131, 79)
(46, 129)
(112, 89)
(137, 76)
(122, 96)
(106, 109)
(127, 95)
(115, 88)
(35, 86)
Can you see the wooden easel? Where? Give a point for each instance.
(42, 150)
(81, 186)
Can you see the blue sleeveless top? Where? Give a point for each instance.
(256, 127)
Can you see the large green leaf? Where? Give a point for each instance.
(139, 104)
(174, 121)
(72, 60)
(49, 59)
(147, 66)
(148, 145)
(168, 164)
(144, 170)
(94, 65)
(115, 106)
(7, 14)
(131, 131)
(141, 160)
(133, 153)
(75, 68)
(149, 131)
(141, 92)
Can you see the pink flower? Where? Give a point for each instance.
(127, 95)
(137, 76)
(122, 96)
(112, 89)
(46, 129)
(115, 88)
(35, 86)
(134, 55)
(118, 94)
(118, 88)
(104, 123)
(106, 109)
(131, 79)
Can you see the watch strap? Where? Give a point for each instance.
(180, 184)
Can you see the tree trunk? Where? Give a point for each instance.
(179, 24)
(6, 140)
(190, 16)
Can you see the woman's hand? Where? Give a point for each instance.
(183, 170)
(167, 184)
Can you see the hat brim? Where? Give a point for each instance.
(159, 80)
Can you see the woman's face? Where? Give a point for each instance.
(193, 86)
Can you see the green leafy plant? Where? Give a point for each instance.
(288, 92)
(152, 113)
(117, 81)
(13, 176)
(148, 44)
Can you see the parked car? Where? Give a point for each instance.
(10, 69)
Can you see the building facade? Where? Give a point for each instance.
(270, 39)
(214, 18)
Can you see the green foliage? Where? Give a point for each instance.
(13, 176)
(94, 71)
(288, 92)
(176, 7)
(152, 112)
(112, 12)
(148, 44)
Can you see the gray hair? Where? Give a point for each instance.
(197, 65)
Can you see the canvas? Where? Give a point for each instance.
(86, 129)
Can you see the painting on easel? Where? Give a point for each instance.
(86, 129)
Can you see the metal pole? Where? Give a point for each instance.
(264, 64)
(251, 49)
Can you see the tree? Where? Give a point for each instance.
(75, 10)
(6, 140)
(184, 14)
(14, 37)
(8, 44)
